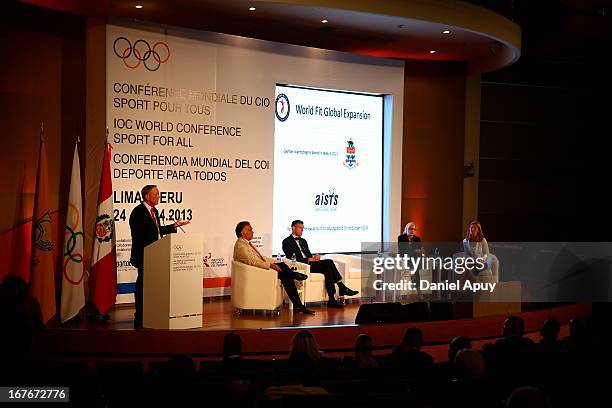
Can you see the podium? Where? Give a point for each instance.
(172, 285)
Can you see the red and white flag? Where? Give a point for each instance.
(73, 288)
(42, 279)
(103, 271)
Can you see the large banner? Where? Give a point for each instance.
(194, 113)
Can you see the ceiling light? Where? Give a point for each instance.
(139, 6)
(446, 32)
(324, 21)
(252, 8)
(432, 51)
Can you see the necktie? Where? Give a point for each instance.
(153, 216)
(256, 251)
(297, 240)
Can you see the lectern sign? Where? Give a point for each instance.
(173, 282)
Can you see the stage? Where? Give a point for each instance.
(266, 336)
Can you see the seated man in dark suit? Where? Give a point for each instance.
(410, 244)
(295, 244)
(408, 353)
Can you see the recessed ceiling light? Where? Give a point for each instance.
(324, 21)
(446, 32)
(432, 51)
(252, 8)
(139, 6)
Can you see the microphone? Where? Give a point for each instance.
(181, 228)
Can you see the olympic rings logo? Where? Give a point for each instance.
(73, 258)
(132, 56)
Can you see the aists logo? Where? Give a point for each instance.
(133, 55)
(282, 107)
(327, 201)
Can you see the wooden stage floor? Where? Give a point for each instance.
(218, 314)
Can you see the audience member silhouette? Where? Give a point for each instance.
(408, 353)
(304, 342)
(528, 397)
(20, 319)
(550, 333)
(301, 370)
(363, 352)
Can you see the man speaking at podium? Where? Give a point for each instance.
(146, 229)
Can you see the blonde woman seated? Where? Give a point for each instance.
(304, 342)
(475, 246)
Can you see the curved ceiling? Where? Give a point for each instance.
(404, 29)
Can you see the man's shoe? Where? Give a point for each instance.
(345, 291)
(303, 310)
(334, 304)
(299, 276)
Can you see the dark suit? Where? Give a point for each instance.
(327, 267)
(144, 232)
(406, 246)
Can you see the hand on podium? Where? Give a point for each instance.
(179, 224)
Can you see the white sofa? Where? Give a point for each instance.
(349, 267)
(255, 288)
(489, 275)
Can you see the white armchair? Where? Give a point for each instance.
(255, 288)
(349, 267)
(489, 275)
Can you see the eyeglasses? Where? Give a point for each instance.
(412, 228)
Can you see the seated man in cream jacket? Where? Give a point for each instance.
(245, 252)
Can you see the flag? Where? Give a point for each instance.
(73, 290)
(42, 279)
(103, 272)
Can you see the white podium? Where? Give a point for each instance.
(172, 286)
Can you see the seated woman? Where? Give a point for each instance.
(304, 342)
(475, 246)
(410, 244)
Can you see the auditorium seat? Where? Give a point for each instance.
(158, 367)
(118, 367)
(299, 401)
(255, 288)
